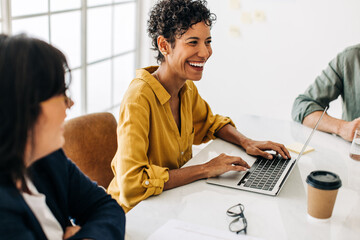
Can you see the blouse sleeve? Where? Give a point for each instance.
(136, 178)
(206, 124)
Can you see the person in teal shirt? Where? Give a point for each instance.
(341, 77)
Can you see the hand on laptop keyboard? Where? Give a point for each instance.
(259, 148)
(224, 163)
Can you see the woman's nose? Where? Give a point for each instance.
(204, 51)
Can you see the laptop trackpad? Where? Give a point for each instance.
(230, 178)
(233, 175)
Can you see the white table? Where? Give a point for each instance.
(280, 217)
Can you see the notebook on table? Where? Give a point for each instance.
(265, 176)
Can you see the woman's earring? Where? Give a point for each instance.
(164, 53)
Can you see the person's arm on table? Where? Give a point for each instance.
(330, 124)
(252, 147)
(216, 166)
(138, 178)
(333, 81)
(224, 163)
(144, 179)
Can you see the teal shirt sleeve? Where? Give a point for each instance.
(340, 78)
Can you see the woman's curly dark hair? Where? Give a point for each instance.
(172, 18)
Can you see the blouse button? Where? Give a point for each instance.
(146, 182)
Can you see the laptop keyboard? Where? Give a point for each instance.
(265, 173)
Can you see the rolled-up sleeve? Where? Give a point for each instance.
(206, 124)
(326, 88)
(136, 179)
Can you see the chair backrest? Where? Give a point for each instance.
(90, 142)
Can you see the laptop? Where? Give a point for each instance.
(265, 176)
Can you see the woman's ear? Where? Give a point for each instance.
(163, 45)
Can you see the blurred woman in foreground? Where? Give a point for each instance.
(40, 189)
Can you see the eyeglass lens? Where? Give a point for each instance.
(238, 225)
(235, 210)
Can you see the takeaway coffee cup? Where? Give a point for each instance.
(323, 187)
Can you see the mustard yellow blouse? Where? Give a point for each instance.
(149, 142)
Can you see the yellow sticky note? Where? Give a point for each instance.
(296, 148)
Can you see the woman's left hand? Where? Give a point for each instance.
(258, 148)
(71, 231)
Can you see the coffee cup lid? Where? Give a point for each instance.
(324, 180)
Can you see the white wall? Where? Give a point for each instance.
(266, 52)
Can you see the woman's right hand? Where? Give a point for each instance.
(224, 163)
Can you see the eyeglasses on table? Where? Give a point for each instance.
(239, 224)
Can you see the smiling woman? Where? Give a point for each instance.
(188, 58)
(162, 114)
(170, 22)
